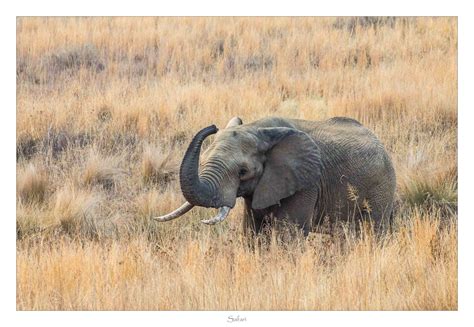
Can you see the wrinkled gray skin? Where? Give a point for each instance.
(291, 170)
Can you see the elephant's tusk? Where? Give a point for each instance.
(221, 215)
(175, 214)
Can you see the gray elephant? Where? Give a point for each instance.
(288, 170)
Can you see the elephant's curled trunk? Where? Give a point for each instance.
(195, 190)
(198, 192)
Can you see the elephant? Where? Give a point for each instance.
(288, 170)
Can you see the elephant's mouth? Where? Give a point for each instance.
(243, 192)
(246, 188)
(240, 193)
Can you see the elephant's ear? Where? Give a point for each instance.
(292, 164)
(235, 121)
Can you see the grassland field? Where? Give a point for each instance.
(106, 108)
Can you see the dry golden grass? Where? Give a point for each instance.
(106, 107)
(413, 269)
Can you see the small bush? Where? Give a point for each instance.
(26, 147)
(56, 142)
(351, 23)
(258, 63)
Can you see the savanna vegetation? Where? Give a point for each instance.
(107, 106)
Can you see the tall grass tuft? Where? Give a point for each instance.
(32, 183)
(158, 167)
(104, 171)
(76, 211)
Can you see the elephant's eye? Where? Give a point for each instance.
(243, 171)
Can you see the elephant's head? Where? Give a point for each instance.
(258, 161)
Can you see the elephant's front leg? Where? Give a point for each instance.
(297, 209)
(255, 221)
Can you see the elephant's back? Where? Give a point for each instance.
(343, 133)
(344, 139)
(351, 145)
(344, 120)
